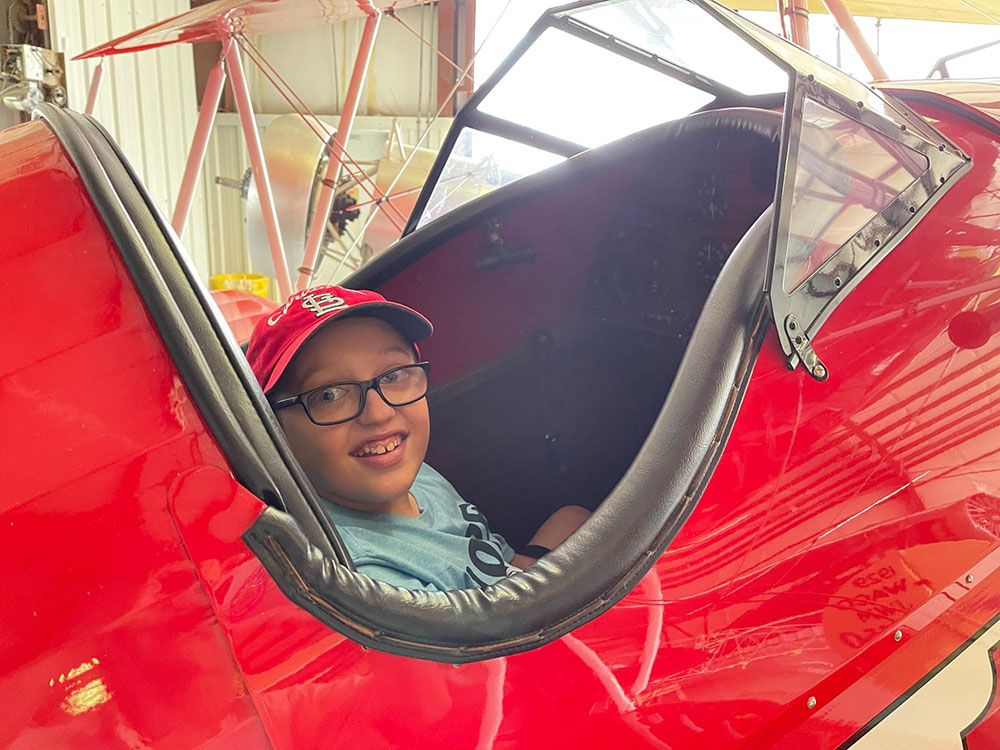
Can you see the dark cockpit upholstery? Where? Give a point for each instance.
(656, 484)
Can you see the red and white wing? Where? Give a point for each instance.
(223, 18)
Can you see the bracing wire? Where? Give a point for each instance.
(423, 40)
(425, 133)
(378, 199)
(304, 112)
(348, 163)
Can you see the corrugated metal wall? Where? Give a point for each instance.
(147, 101)
(148, 104)
(317, 64)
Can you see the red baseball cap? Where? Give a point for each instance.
(278, 337)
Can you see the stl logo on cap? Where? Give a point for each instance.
(276, 339)
(319, 303)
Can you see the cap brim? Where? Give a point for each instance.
(412, 325)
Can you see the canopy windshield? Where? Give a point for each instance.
(591, 73)
(684, 34)
(857, 168)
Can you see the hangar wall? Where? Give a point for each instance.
(317, 64)
(147, 100)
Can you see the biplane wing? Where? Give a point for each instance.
(958, 11)
(223, 18)
(233, 20)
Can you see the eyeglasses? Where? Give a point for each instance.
(342, 402)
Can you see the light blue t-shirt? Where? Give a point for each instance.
(448, 546)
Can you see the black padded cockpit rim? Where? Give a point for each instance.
(209, 361)
(430, 236)
(609, 554)
(286, 566)
(578, 581)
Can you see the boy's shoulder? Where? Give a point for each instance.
(431, 478)
(436, 494)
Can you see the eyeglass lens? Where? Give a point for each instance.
(341, 402)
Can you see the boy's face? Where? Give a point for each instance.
(332, 456)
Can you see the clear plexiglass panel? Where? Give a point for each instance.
(583, 93)
(478, 164)
(845, 174)
(833, 78)
(684, 34)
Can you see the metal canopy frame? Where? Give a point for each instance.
(557, 18)
(801, 313)
(941, 66)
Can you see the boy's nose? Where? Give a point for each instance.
(376, 409)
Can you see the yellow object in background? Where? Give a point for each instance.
(254, 283)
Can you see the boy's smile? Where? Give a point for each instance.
(370, 462)
(380, 446)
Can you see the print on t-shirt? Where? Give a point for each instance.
(485, 556)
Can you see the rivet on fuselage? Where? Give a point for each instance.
(898, 635)
(969, 578)
(811, 703)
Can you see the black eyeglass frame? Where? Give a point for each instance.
(365, 385)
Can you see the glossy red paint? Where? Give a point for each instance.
(840, 513)
(242, 310)
(978, 95)
(109, 639)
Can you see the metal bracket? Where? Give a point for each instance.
(498, 254)
(803, 350)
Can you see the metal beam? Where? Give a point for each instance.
(317, 225)
(95, 87)
(846, 22)
(798, 16)
(199, 144)
(244, 106)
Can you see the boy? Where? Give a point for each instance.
(341, 369)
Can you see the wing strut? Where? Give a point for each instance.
(798, 13)
(199, 145)
(317, 227)
(251, 136)
(229, 21)
(845, 21)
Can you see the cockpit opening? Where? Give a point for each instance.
(562, 313)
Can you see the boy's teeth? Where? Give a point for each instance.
(378, 448)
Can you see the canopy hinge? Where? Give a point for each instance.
(803, 350)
